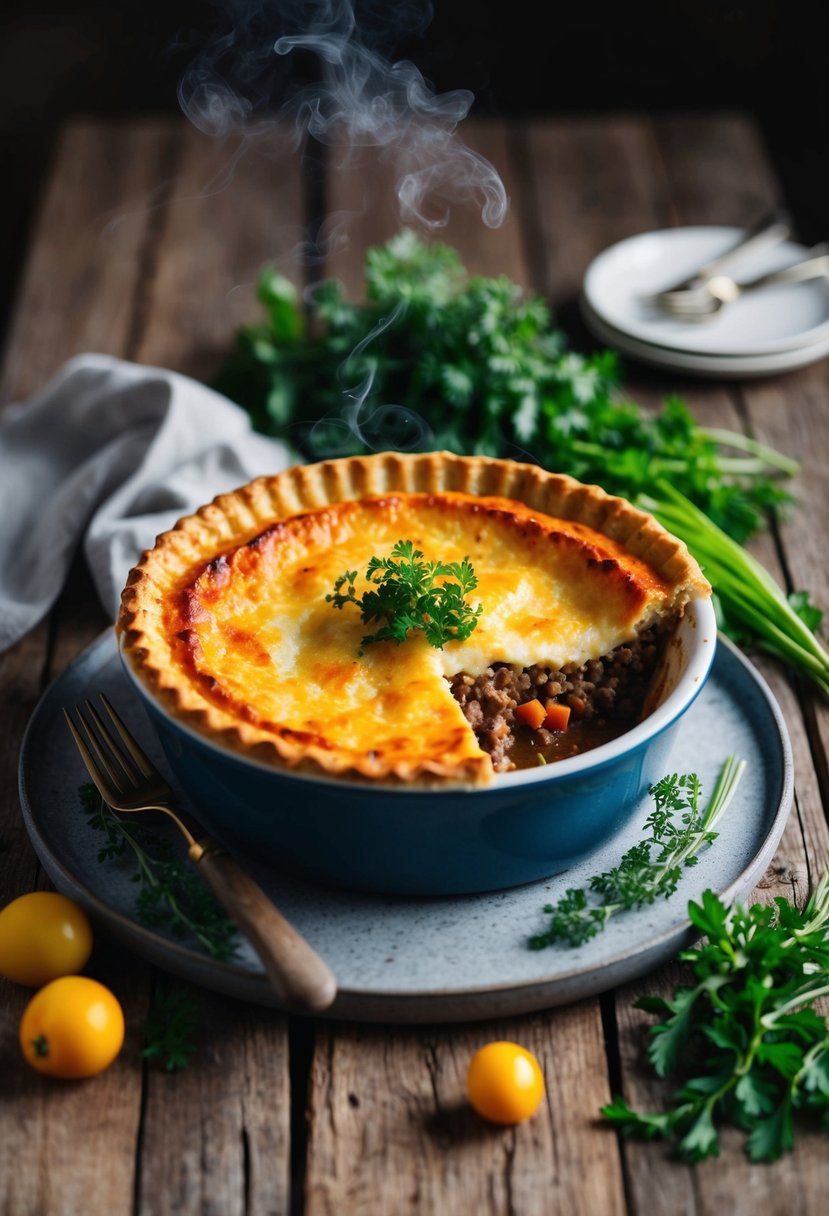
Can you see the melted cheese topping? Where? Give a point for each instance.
(259, 637)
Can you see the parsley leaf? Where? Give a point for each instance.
(412, 595)
(744, 1042)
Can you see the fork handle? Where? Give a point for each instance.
(814, 267)
(300, 978)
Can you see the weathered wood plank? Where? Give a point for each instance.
(732, 181)
(792, 413)
(391, 1130)
(688, 167)
(217, 1135)
(72, 1143)
(216, 1138)
(61, 1145)
(69, 1146)
(716, 168)
(91, 249)
(593, 181)
(231, 207)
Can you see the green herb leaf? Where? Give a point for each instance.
(745, 1043)
(412, 595)
(169, 1030)
(171, 894)
(652, 869)
(809, 613)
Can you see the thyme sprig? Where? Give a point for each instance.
(412, 595)
(652, 869)
(171, 894)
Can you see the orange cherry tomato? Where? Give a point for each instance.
(74, 1027)
(43, 935)
(505, 1083)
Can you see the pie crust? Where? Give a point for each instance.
(225, 619)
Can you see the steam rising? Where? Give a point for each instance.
(377, 427)
(360, 99)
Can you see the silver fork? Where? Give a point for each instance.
(770, 230)
(128, 782)
(702, 303)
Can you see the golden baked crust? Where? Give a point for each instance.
(225, 618)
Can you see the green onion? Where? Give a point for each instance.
(749, 594)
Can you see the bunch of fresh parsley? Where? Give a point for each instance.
(435, 358)
(743, 1043)
(412, 595)
(438, 359)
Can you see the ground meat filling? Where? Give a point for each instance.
(605, 697)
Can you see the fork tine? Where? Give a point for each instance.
(129, 742)
(108, 751)
(92, 767)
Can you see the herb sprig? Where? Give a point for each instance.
(171, 894)
(744, 1043)
(472, 364)
(169, 1031)
(652, 869)
(412, 595)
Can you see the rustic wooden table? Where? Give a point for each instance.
(146, 248)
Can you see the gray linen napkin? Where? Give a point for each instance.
(112, 453)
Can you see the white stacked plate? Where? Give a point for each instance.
(771, 330)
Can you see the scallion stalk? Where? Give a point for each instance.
(749, 594)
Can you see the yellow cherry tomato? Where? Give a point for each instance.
(505, 1083)
(43, 935)
(74, 1027)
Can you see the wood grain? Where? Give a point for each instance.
(230, 207)
(85, 277)
(216, 1136)
(147, 245)
(92, 283)
(342, 1167)
(391, 1130)
(734, 168)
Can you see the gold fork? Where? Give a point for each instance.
(128, 782)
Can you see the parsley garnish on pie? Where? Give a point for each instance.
(410, 594)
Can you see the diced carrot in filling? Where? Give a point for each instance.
(531, 713)
(558, 716)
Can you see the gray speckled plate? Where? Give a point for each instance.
(439, 959)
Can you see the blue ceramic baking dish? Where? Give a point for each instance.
(420, 840)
